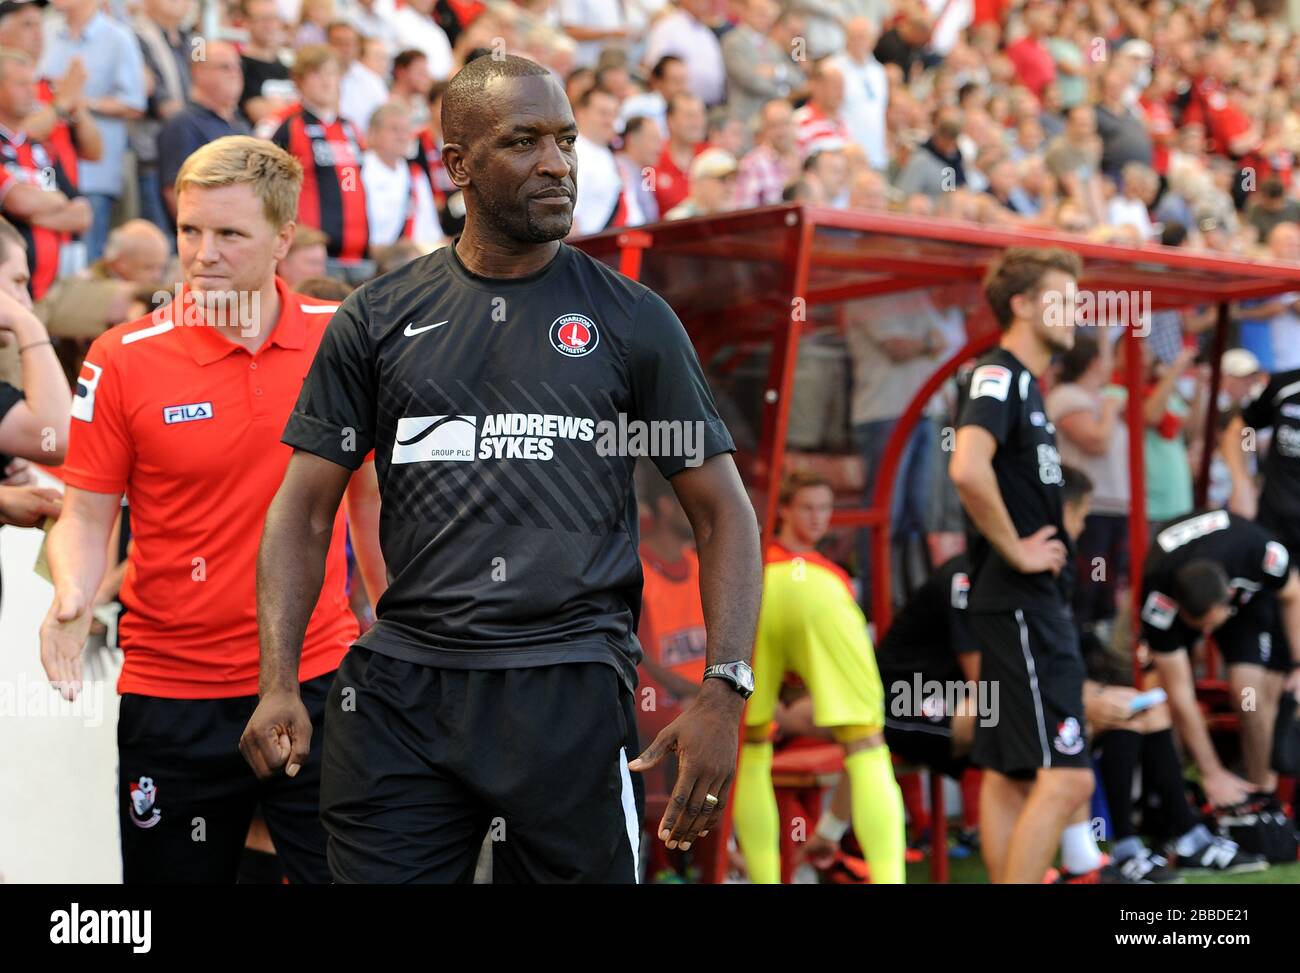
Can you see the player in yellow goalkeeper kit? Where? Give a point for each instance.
(810, 624)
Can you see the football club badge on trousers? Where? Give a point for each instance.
(144, 795)
(574, 335)
(1069, 737)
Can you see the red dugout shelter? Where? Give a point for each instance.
(752, 286)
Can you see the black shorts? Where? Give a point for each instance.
(924, 741)
(186, 795)
(422, 763)
(1255, 636)
(1034, 662)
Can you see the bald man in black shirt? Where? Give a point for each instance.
(492, 379)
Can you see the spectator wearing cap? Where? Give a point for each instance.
(758, 69)
(212, 112)
(115, 94)
(820, 118)
(866, 91)
(713, 184)
(361, 91)
(399, 197)
(936, 166)
(414, 24)
(686, 131)
(1122, 126)
(412, 83)
(685, 32)
(643, 144)
(772, 165)
(1030, 54)
(668, 78)
(168, 50)
(601, 201)
(306, 258)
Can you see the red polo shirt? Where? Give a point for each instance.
(187, 423)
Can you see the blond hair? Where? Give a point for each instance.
(234, 160)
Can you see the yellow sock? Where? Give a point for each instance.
(754, 814)
(878, 814)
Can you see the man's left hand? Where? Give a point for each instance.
(705, 739)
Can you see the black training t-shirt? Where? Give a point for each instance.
(1278, 408)
(1003, 397)
(1253, 559)
(928, 635)
(498, 410)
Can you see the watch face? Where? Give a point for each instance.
(744, 676)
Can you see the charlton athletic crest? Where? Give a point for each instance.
(144, 793)
(574, 335)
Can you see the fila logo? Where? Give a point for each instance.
(411, 330)
(187, 413)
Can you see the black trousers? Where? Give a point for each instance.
(422, 763)
(186, 795)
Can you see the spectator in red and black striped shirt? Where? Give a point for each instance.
(38, 199)
(330, 150)
(61, 121)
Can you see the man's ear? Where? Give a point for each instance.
(284, 240)
(455, 160)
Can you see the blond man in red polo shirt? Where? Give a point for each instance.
(182, 410)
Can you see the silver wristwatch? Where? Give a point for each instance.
(739, 674)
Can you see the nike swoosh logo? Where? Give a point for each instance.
(412, 330)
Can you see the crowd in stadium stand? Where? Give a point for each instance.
(1136, 123)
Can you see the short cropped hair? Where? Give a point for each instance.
(461, 109)
(800, 480)
(1021, 271)
(233, 160)
(1200, 585)
(1075, 484)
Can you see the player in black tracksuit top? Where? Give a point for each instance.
(494, 694)
(926, 652)
(1007, 472)
(1216, 573)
